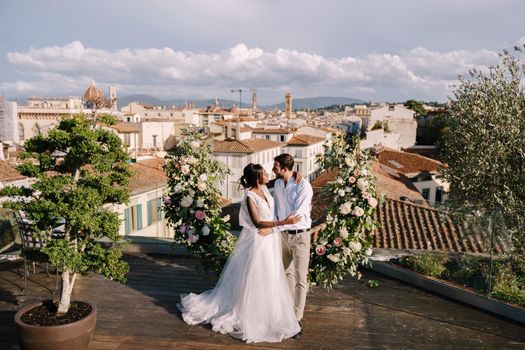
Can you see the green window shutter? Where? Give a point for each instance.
(139, 216)
(150, 212)
(127, 222)
(159, 208)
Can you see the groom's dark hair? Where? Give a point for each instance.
(285, 161)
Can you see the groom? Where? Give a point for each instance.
(294, 197)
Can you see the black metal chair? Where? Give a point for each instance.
(32, 245)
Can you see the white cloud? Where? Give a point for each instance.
(165, 72)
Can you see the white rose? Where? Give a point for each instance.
(226, 218)
(347, 251)
(344, 233)
(200, 202)
(364, 172)
(368, 252)
(186, 201)
(192, 160)
(348, 189)
(329, 218)
(345, 208)
(362, 184)
(203, 177)
(195, 144)
(372, 202)
(193, 238)
(358, 211)
(205, 230)
(350, 162)
(191, 193)
(202, 186)
(340, 181)
(355, 246)
(333, 258)
(185, 169)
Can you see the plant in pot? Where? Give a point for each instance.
(80, 171)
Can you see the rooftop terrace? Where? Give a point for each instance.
(142, 313)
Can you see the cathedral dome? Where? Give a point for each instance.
(92, 93)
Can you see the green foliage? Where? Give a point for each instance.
(470, 270)
(485, 146)
(107, 119)
(373, 283)
(378, 125)
(416, 106)
(80, 170)
(428, 263)
(344, 242)
(437, 126)
(193, 203)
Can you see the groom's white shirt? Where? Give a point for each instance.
(293, 199)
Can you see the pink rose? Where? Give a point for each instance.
(199, 215)
(338, 241)
(183, 229)
(357, 172)
(352, 179)
(320, 250)
(372, 202)
(167, 200)
(366, 195)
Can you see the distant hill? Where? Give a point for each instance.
(299, 103)
(315, 102)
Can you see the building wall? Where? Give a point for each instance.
(9, 129)
(407, 130)
(387, 112)
(304, 159)
(138, 217)
(381, 138)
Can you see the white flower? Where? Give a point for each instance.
(355, 246)
(202, 186)
(186, 201)
(192, 160)
(224, 243)
(364, 172)
(333, 257)
(345, 208)
(340, 181)
(185, 169)
(350, 162)
(358, 211)
(341, 193)
(372, 202)
(195, 144)
(347, 251)
(226, 218)
(192, 193)
(200, 202)
(329, 218)
(348, 189)
(203, 177)
(205, 230)
(368, 252)
(344, 233)
(362, 184)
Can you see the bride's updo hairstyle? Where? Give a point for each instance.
(252, 173)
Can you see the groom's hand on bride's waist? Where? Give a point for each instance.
(265, 231)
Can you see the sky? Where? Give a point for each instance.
(378, 50)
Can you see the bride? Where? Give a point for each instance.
(251, 300)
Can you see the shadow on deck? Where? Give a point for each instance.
(142, 313)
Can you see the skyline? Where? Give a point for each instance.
(372, 50)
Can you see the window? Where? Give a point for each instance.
(154, 211)
(439, 195)
(282, 138)
(133, 219)
(154, 140)
(426, 193)
(298, 167)
(267, 137)
(21, 134)
(299, 153)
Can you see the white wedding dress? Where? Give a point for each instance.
(251, 300)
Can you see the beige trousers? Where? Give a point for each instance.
(296, 258)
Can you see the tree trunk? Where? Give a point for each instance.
(67, 289)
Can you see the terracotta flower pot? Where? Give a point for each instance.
(70, 336)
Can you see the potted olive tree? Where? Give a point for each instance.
(80, 170)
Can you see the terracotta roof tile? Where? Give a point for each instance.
(126, 128)
(271, 131)
(408, 163)
(147, 174)
(408, 226)
(8, 172)
(244, 146)
(305, 140)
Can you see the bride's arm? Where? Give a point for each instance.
(254, 215)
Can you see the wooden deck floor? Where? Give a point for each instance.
(142, 314)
